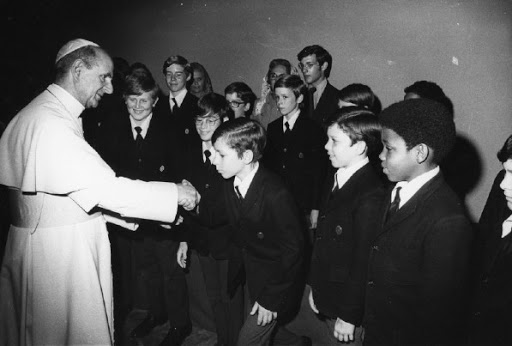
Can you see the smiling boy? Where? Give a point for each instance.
(419, 261)
(351, 198)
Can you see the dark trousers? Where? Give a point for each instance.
(161, 280)
(228, 312)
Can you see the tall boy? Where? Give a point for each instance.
(181, 105)
(352, 197)
(315, 63)
(418, 266)
(268, 232)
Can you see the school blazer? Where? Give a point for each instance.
(326, 106)
(268, 243)
(183, 120)
(159, 157)
(347, 225)
(418, 270)
(208, 229)
(492, 297)
(299, 159)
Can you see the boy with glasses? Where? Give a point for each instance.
(240, 99)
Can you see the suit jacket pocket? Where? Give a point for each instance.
(338, 274)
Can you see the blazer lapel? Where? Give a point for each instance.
(411, 205)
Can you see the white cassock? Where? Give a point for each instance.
(56, 279)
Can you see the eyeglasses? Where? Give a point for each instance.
(275, 76)
(235, 104)
(308, 65)
(210, 121)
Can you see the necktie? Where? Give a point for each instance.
(287, 128)
(311, 101)
(238, 194)
(174, 106)
(138, 138)
(207, 154)
(336, 186)
(393, 207)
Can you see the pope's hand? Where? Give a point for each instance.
(188, 197)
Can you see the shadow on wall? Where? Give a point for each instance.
(462, 168)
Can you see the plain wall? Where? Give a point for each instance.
(464, 46)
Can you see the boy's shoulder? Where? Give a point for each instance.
(439, 200)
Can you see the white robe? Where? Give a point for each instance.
(56, 280)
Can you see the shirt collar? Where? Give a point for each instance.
(291, 121)
(243, 185)
(506, 227)
(410, 188)
(179, 97)
(342, 175)
(144, 125)
(204, 147)
(74, 107)
(319, 91)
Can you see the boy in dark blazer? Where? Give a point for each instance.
(142, 145)
(321, 100)
(181, 106)
(209, 228)
(352, 198)
(295, 148)
(419, 261)
(491, 313)
(268, 239)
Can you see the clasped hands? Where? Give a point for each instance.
(188, 197)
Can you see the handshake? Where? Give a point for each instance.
(188, 197)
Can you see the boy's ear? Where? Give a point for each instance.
(361, 147)
(300, 98)
(324, 66)
(247, 106)
(422, 152)
(247, 156)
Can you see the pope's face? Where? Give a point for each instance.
(92, 83)
(140, 106)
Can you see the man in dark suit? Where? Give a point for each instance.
(181, 106)
(417, 286)
(142, 145)
(268, 244)
(352, 197)
(491, 313)
(322, 98)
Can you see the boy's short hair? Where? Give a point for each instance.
(179, 60)
(140, 80)
(244, 92)
(279, 62)
(293, 82)
(214, 103)
(421, 121)
(359, 94)
(243, 134)
(505, 152)
(321, 56)
(432, 91)
(359, 124)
